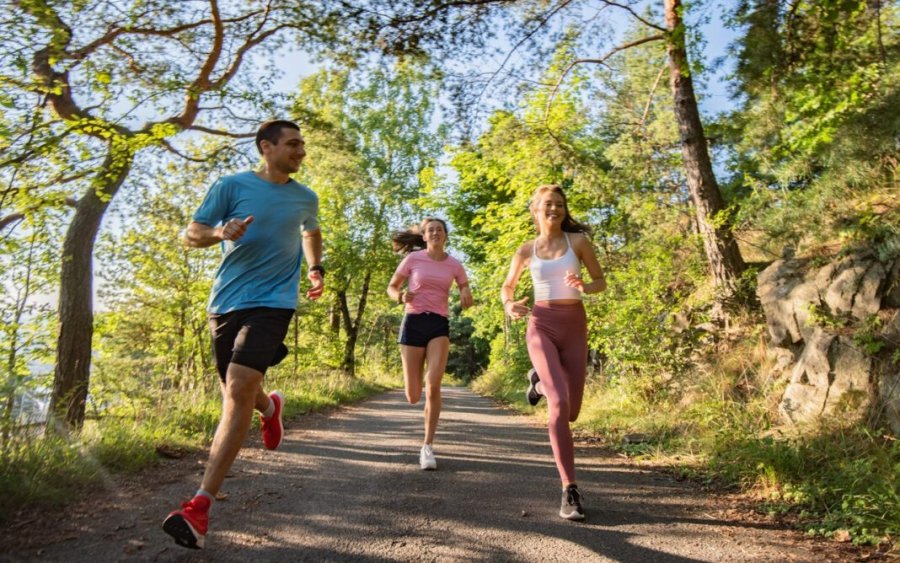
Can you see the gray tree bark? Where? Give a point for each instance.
(76, 312)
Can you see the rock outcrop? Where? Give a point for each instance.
(840, 323)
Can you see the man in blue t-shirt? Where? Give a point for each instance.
(257, 217)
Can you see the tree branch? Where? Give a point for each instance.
(19, 215)
(169, 147)
(115, 33)
(528, 36)
(635, 15)
(219, 132)
(602, 60)
(650, 96)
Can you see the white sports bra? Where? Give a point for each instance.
(549, 275)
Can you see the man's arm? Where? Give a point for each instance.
(312, 249)
(200, 235)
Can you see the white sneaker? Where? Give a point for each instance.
(426, 458)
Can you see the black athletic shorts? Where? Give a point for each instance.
(250, 337)
(418, 329)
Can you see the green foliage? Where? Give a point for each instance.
(155, 288)
(867, 335)
(504, 378)
(819, 315)
(815, 140)
(371, 149)
(41, 470)
(27, 272)
(468, 354)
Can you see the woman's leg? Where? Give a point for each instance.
(436, 360)
(413, 363)
(573, 357)
(555, 386)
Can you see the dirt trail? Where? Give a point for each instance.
(346, 487)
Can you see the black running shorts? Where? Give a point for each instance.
(250, 337)
(418, 329)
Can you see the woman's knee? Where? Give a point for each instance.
(559, 409)
(433, 393)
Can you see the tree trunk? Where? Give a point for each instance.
(725, 261)
(334, 317)
(76, 316)
(348, 364)
(351, 326)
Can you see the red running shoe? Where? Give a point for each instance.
(272, 428)
(188, 526)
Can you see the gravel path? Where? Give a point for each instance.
(346, 486)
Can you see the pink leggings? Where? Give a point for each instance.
(557, 345)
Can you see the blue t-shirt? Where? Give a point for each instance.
(262, 268)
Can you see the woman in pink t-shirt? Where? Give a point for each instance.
(425, 331)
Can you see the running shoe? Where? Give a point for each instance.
(272, 427)
(532, 394)
(426, 458)
(188, 526)
(571, 508)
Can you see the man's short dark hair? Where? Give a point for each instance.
(271, 131)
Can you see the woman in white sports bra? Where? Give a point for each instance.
(557, 328)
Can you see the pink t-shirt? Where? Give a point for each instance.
(430, 280)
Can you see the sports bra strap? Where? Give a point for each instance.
(534, 247)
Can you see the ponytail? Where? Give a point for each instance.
(411, 239)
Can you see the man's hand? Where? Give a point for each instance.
(318, 285)
(234, 228)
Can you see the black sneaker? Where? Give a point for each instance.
(571, 508)
(532, 394)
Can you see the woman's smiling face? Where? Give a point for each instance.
(551, 208)
(434, 233)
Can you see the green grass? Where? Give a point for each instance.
(41, 470)
(38, 469)
(840, 479)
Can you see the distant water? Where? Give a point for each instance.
(32, 402)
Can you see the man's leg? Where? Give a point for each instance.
(245, 343)
(261, 401)
(239, 394)
(243, 387)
